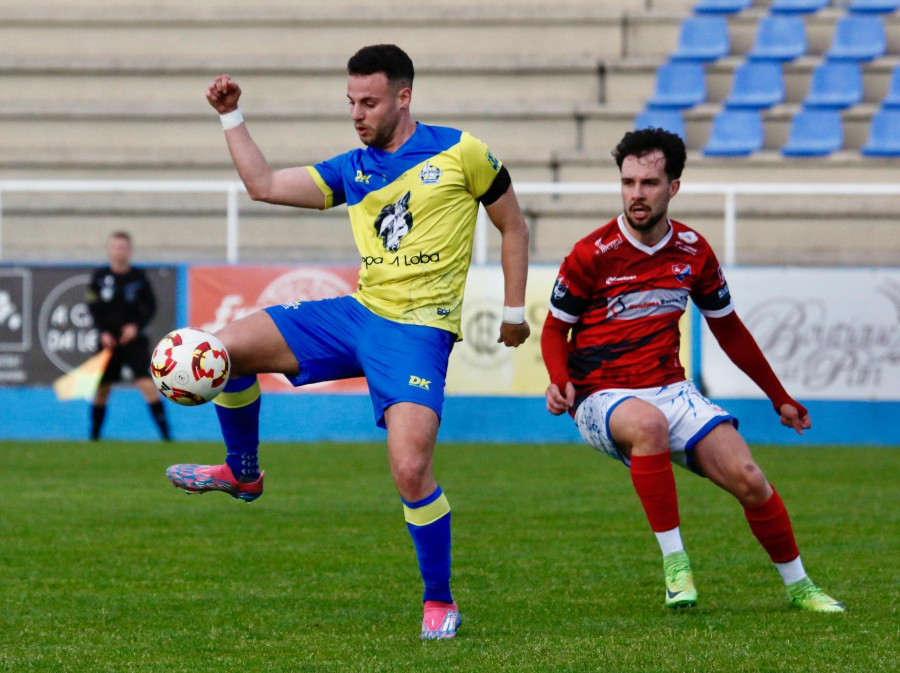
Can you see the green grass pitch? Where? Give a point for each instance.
(105, 567)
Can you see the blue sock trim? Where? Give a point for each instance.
(427, 500)
(239, 383)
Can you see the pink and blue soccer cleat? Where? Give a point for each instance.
(440, 620)
(202, 478)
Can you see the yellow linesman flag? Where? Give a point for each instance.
(81, 383)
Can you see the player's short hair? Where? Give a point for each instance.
(121, 234)
(387, 58)
(644, 141)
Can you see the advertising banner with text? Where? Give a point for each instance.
(481, 366)
(478, 364)
(829, 334)
(46, 328)
(222, 294)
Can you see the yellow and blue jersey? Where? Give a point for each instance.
(413, 216)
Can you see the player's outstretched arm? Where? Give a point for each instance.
(288, 187)
(740, 346)
(506, 215)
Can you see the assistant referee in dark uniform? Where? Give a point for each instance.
(122, 303)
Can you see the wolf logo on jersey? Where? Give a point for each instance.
(393, 223)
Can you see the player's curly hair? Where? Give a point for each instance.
(387, 58)
(644, 141)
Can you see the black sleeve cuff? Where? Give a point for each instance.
(498, 187)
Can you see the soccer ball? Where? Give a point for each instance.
(190, 366)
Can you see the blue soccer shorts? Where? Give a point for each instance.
(339, 338)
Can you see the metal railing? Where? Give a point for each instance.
(232, 189)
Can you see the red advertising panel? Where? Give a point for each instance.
(222, 294)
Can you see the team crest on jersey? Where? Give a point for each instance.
(361, 177)
(393, 223)
(688, 237)
(560, 288)
(681, 271)
(429, 175)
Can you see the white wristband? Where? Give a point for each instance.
(514, 314)
(232, 119)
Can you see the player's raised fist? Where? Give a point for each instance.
(223, 94)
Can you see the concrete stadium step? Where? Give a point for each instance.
(287, 136)
(601, 127)
(162, 135)
(512, 78)
(770, 229)
(633, 80)
(766, 166)
(584, 30)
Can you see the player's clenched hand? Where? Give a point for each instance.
(513, 334)
(557, 403)
(223, 94)
(791, 418)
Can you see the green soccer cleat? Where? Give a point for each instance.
(807, 596)
(680, 589)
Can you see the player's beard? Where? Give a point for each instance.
(383, 134)
(647, 225)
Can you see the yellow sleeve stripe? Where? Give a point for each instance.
(422, 516)
(238, 399)
(322, 185)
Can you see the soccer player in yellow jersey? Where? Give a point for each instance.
(412, 194)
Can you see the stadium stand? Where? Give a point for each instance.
(797, 6)
(735, 133)
(702, 38)
(779, 38)
(668, 119)
(884, 134)
(814, 133)
(756, 84)
(874, 6)
(114, 89)
(858, 37)
(892, 97)
(679, 84)
(721, 6)
(835, 84)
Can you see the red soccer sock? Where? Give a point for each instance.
(654, 483)
(771, 525)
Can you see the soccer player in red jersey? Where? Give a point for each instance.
(621, 292)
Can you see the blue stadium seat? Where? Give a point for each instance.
(735, 133)
(859, 37)
(873, 6)
(779, 38)
(679, 84)
(669, 120)
(721, 6)
(835, 84)
(756, 84)
(814, 133)
(702, 38)
(797, 6)
(884, 134)
(892, 97)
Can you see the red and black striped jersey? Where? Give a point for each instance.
(624, 299)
